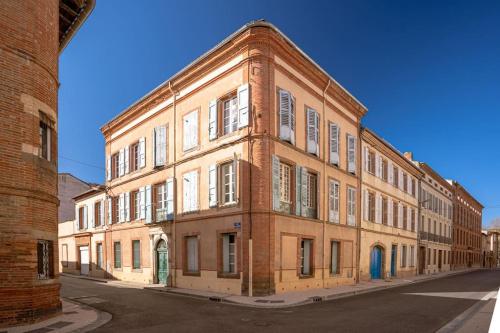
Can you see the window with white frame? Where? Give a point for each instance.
(351, 206)
(311, 197)
(335, 265)
(229, 253)
(334, 201)
(230, 115)
(286, 105)
(190, 191)
(192, 263)
(190, 130)
(136, 195)
(228, 182)
(160, 145)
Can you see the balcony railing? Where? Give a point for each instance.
(424, 235)
(162, 215)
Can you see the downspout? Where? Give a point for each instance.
(359, 167)
(250, 224)
(325, 182)
(174, 238)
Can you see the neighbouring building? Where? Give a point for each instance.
(494, 246)
(486, 250)
(466, 227)
(389, 223)
(32, 35)
(68, 186)
(435, 227)
(239, 174)
(82, 240)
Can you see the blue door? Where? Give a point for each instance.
(376, 263)
(394, 256)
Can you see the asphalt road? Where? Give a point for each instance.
(391, 310)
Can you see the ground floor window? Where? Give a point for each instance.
(98, 251)
(117, 250)
(64, 255)
(412, 256)
(136, 254)
(229, 253)
(192, 262)
(335, 267)
(403, 255)
(45, 259)
(305, 257)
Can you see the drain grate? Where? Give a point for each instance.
(215, 299)
(317, 298)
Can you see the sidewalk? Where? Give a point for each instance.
(286, 299)
(75, 317)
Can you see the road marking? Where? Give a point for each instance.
(477, 295)
(495, 319)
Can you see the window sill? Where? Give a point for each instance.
(335, 275)
(186, 273)
(222, 275)
(118, 269)
(305, 276)
(136, 270)
(186, 151)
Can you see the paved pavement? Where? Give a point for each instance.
(418, 307)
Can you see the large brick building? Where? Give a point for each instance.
(32, 34)
(467, 226)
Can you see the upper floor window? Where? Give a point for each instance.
(160, 194)
(45, 140)
(334, 201)
(190, 130)
(312, 131)
(371, 206)
(228, 183)
(371, 162)
(115, 166)
(82, 217)
(351, 154)
(413, 187)
(351, 206)
(160, 146)
(385, 210)
(135, 155)
(395, 214)
(395, 176)
(311, 194)
(384, 169)
(334, 143)
(98, 213)
(190, 191)
(286, 106)
(405, 217)
(230, 115)
(405, 182)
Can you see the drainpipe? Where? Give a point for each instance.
(359, 168)
(325, 182)
(174, 238)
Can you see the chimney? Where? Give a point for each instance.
(408, 155)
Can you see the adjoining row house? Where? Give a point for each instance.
(248, 173)
(490, 248)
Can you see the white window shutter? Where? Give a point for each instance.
(390, 173)
(334, 143)
(110, 210)
(127, 158)
(400, 215)
(120, 208)
(121, 162)
(91, 216)
(142, 202)
(365, 158)
(298, 190)
(212, 185)
(389, 211)
(170, 199)
(276, 182)
(408, 218)
(108, 168)
(380, 166)
(311, 131)
(336, 199)
(77, 220)
(366, 206)
(351, 216)
(243, 105)
(154, 147)
(142, 152)
(127, 206)
(377, 165)
(285, 110)
(235, 178)
(400, 179)
(409, 184)
(186, 193)
(304, 191)
(194, 191)
(351, 154)
(212, 119)
(378, 208)
(101, 206)
(85, 225)
(330, 200)
(149, 213)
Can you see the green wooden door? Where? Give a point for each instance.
(162, 267)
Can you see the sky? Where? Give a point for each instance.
(428, 72)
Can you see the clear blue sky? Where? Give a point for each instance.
(429, 72)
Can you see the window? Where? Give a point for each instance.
(395, 214)
(45, 259)
(371, 162)
(334, 201)
(286, 116)
(371, 206)
(161, 201)
(134, 161)
(115, 209)
(45, 140)
(385, 168)
(230, 115)
(64, 255)
(192, 254)
(351, 206)
(117, 249)
(160, 146)
(306, 257)
(98, 252)
(351, 154)
(385, 210)
(312, 131)
(405, 182)
(229, 253)
(228, 183)
(190, 130)
(285, 174)
(311, 194)
(136, 254)
(403, 255)
(412, 256)
(190, 191)
(136, 205)
(395, 176)
(335, 265)
(412, 215)
(82, 223)
(413, 187)
(405, 217)
(334, 143)
(97, 213)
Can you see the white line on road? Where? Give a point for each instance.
(489, 295)
(495, 319)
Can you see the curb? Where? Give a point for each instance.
(82, 277)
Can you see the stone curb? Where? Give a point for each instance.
(102, 317)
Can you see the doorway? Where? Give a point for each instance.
(376, 263)
(421, 262)
(440, 260)
(84, 260)
(394, 259)
(162, 262)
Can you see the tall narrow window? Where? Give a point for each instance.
(190, 130)
(285, 175)
(311, 195)
(136, 254)
(395, 215)
(97, 213)
(312, 129)
(334, 201)
(117, 250)
(412, 256)
(192, 254)
(160, 145)
(351, 206)
(405, 217)
(306, 257)
(403, 255)
(405, 182)
(335, 266)
(371, 162)
(190, 191)
(395, 176)
(98, 250)
(45, 259)
(64, 255)
(115, 165)
(161, 201)
(134, 161)
(228, 184)
(230, 115)
(45, 140)
(385, 210)
(412, 216)
(371, 206)
(136, 205)
(229, 253)
(286, 116)
(81, 218)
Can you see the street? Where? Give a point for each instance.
(420, 307)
